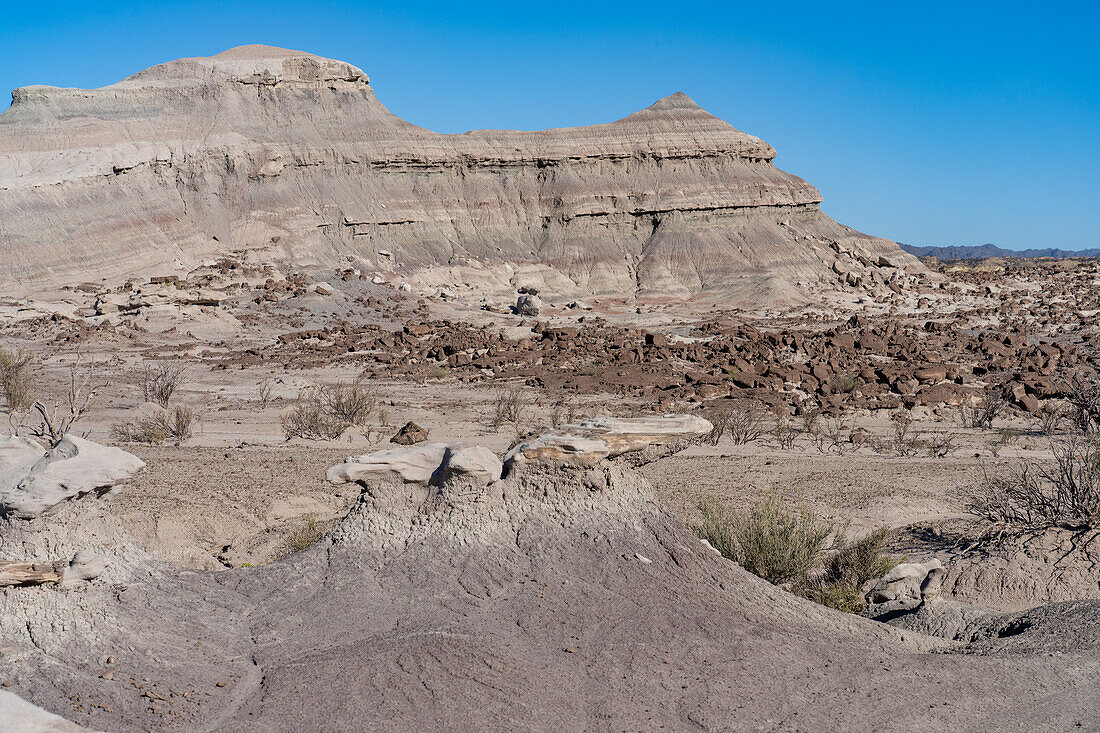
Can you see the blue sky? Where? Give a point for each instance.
(929, 123)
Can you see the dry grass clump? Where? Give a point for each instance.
(305, 535)
(173, 424)
(509, 407)
(160, 380)
(264, 392)
(846, 570)
(1062, 493)
(778, 544)
(323, 412)
(796, 547)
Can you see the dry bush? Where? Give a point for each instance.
(904, 441)
(778, 544)
(324, 411)
(1084, 405)
(810, 417)
(1062, 493)
(15, 380)
(846, 570)
(509, 407)
(941, 445)
(846, 383)
(743, 425)
(563, 411)
(831, 436)
(263, 393)
(784, 433)
(989, 406)
(1049, 418)
(56, 420)
(160, 380)
(352, 403)
(173, 424)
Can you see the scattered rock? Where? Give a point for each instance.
(410, 434)
(528, 305)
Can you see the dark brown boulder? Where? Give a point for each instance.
(410, 434)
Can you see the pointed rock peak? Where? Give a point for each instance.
(679, 100)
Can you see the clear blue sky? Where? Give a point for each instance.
(929, 123)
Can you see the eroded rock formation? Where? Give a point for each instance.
(260, 147)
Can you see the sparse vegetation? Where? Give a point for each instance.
(56, 420)
(742, 425)
(904, 442)
(305, 535)
(1048, 418)
(1062, 493)
(981, 413)
(509, 407)
(846, 570)
(797, 548)
(779, 544)
(264, 392)
(941, 445)
(1084, 405)
(15, 381)
(160, 380)
(784, 433)
(324, 412)
(172, 424)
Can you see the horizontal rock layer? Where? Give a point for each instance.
(262, 147)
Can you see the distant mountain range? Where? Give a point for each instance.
(981, 251)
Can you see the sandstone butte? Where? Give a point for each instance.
(265, 148)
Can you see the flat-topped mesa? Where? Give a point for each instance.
(264, 148)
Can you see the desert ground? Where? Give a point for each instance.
(318, 420)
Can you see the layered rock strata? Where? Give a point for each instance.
(260, 147)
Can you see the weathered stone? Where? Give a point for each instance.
(410, 434)
(33, 481)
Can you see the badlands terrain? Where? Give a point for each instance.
(377, 428)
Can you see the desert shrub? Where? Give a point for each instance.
(904, 442)
(809, 417)
(264, 392)
(324, 411)
(797, 547)
(305, 535)
(591, 369)
(832, 435)
(981, 413)
(1084, 405)
(846, 570)
(779, 544)
(941, 445)
(1064, 492)
(846, 383)
(563, 411)
(160, 380)
(509, 407)
(784, 433)
(55, 420)
(1049, 418)
(172, 424)
(742, 425)
(15, 380)
(352, 403)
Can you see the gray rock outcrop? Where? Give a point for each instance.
(259, 147)
(34, 481)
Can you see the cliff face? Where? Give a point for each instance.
(262, 147)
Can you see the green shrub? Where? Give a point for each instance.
(780, 545)
(786, 545)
